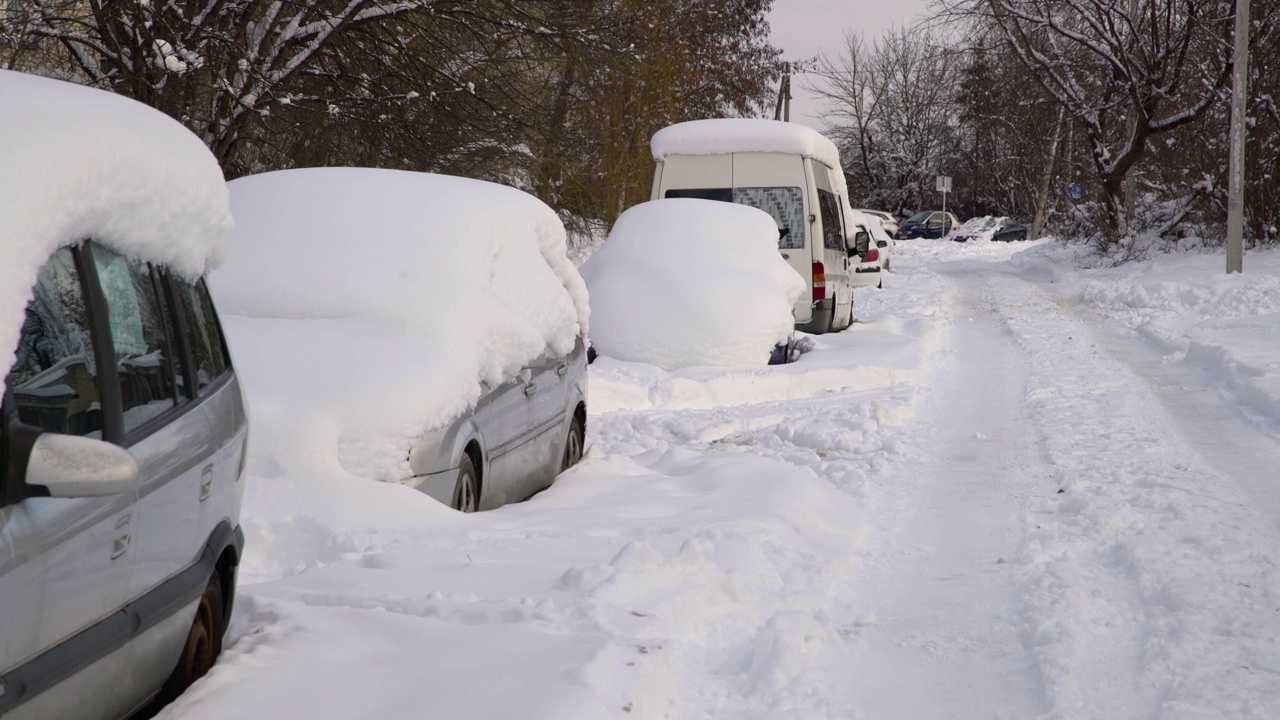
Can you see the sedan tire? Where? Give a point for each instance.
(573, 444)
(466, 493)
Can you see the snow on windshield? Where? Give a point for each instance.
(684, 282)
(373, 304)
(81, 163)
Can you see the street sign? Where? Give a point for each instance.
(944, 183)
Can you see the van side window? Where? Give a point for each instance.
(143, 349)
(720, 194)
(832, 231)
(785, 204)
(55, 378)
(208, 346)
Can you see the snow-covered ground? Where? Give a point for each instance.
(1014, 489)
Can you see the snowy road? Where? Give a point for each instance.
(988, 499)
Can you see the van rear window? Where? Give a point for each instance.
(784, 204)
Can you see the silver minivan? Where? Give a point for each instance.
(122, 426)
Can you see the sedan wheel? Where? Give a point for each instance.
(466, 493)
(573, 444)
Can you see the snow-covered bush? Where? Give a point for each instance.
(684, 282)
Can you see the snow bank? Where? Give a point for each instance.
(80, 163)
(1192, 309)
(730, 135)
(684, 282)
(368, 306)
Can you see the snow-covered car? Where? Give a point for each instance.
(872, 245)
(122, 425)
(930, 224)
(684, 282)
(989, 227)
(887, 220)
(431, 328)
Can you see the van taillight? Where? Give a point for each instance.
(872, 255)
(819, 282)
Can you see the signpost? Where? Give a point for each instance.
(944, 187)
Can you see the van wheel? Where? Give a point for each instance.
(203, 645)
(573, 444)
(466, 493)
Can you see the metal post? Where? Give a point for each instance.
(1239, 102)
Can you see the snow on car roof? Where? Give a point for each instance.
(82, 163)
(375, 303)
(730, 135)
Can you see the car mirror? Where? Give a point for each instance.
(73, 466)
(861, 241)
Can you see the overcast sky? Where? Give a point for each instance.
(803, 28)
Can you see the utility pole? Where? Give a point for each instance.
(782, 111)
(1239, 104)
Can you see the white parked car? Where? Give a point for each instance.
(122, 426)
(434, 323)
(875, 249)
(887, 220)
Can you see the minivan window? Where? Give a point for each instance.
(920, 217)
(208, 346)
(54, 377)
(143, 350)
(832, 232)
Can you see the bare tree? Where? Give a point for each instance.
(1125, 71)
(890, 107)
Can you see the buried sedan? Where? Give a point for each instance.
(410, 328)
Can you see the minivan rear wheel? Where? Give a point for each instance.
(203, 645)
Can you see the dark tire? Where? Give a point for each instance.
(203, 644)
(466, 493)
(573, 444)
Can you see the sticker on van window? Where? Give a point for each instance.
(784, 204)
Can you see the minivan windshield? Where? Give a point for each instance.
(920, 217)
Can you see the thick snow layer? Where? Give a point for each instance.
(730, 135)
(992, 497)
(685, 282)
(78, 163)
(368, 306)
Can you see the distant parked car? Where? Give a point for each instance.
(122, 425)
(435, 319)
(887, 221)
(930, 224)
(988, 227)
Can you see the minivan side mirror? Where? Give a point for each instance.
(71, 466)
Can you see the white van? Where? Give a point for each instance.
(791, 172)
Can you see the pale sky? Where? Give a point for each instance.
(803, 28)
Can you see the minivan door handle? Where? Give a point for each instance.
(123, 534)
(530, 389)
(562, 369)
